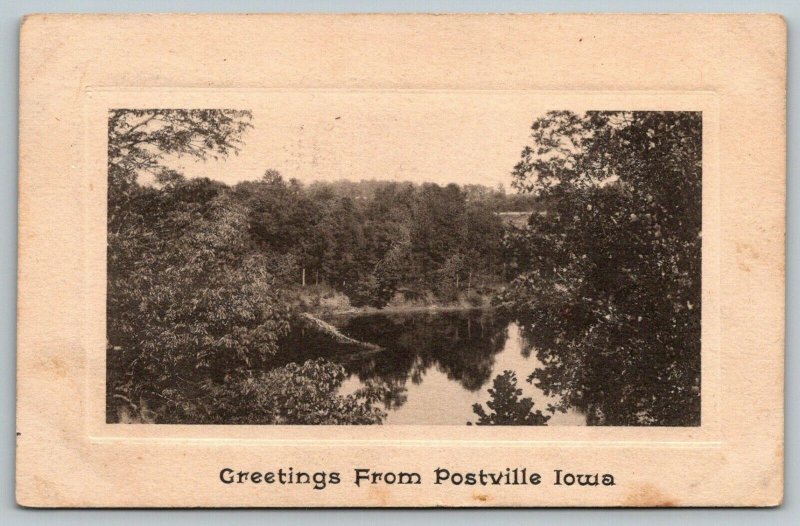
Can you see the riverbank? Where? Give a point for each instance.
(323, 302)
(404, 309)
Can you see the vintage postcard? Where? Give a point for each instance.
(401, 260)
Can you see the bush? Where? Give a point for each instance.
(292, 394)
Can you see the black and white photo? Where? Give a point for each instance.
(556, 286)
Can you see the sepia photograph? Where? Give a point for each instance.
(431, 261)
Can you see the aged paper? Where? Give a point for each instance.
(401, 260)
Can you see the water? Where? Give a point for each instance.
(435, 366)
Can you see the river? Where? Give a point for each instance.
(435, 365)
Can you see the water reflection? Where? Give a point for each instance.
(435, 366)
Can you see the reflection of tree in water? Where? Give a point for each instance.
(507, 406)
(462, 346)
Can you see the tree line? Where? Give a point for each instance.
(371, 239)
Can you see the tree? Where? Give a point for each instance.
(282, 219)
(140, 139)
(187, 301)
(508, 409)
(481, 241)
(608, 283)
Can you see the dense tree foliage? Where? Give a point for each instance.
(608, 284)
(186, 300)
(391, 236)
(288, 395)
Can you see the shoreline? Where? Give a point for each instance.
(410, 309)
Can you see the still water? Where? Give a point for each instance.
(435, 366)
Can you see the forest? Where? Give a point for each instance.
(595, 254)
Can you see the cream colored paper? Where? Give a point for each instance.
(74, 68)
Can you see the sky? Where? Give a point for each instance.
(418, 136)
